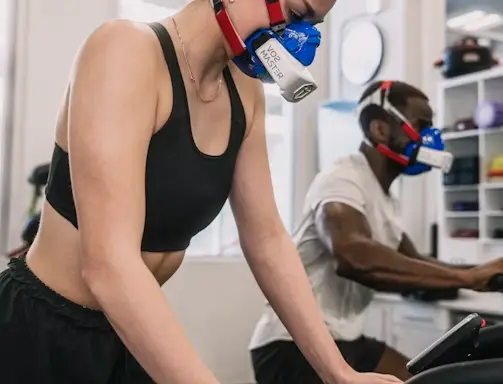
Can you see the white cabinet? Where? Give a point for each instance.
(407, 327)
(410, 339)
(415, 326)
(376, 320)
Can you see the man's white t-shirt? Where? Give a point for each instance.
(351, 181)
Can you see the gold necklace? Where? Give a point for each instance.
(192, 78)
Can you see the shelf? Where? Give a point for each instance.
(461, 215)
(461, 188)
(492, 131)
(471, 133)
(490, 185)
(458, 100)
(459, 81)
(490, 241)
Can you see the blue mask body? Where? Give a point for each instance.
(300, 39)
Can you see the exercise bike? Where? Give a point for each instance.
(469, 353)
(38, 179)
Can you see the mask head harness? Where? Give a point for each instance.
(425, 149)
(279, 54)
(238, 47)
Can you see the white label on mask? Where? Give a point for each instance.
(435, 158)
(293, 79)
(270, 58)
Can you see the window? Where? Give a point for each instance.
(220, 238)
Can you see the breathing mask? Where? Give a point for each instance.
(280, 54)
(426, 149)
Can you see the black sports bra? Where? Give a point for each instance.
(185, 188)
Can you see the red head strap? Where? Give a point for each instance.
(383, 91)
(276, 18)
(406, 126)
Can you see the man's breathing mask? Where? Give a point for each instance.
(280, 54)
(426, 149)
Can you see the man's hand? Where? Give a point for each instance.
(370, 378)
(482, 274)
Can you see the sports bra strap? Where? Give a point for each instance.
(178, 85)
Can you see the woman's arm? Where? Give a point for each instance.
(113, 103)
(276, 264)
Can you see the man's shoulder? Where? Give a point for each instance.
(344, 170)
(344, 179)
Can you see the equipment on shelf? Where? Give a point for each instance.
(38, 179)
(461, 125)
(464, 171)
(495, 168)
(496, 283)
(465, 206)
(466, 233)
(466, 56)
(489, 114)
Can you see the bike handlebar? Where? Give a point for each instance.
(496, 283)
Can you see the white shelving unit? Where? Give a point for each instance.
(458, 99)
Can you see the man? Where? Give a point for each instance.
(351, 241)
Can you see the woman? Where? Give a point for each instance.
(155, 131)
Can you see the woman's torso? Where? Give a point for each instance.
(55, 254)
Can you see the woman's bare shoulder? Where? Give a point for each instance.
(120, 41)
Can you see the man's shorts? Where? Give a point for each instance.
(281, 362)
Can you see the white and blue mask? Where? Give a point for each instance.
(279, 54)
(425, 150)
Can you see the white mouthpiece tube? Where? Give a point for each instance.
(294, 80)
(435, 158)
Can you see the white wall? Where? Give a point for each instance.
(390, 22)
(218, 303)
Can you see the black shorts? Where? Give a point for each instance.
(46, 339)
(281, 362)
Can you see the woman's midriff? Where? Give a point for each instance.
(54, 258)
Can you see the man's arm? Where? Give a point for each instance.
(370, 263)
(408, 248)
